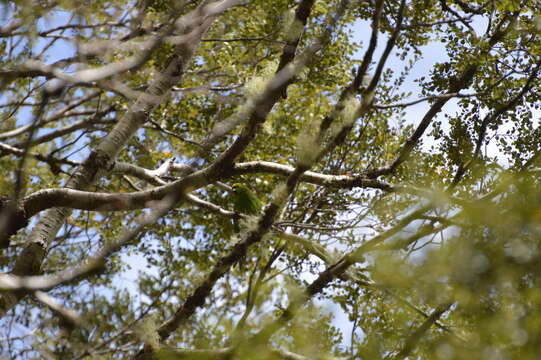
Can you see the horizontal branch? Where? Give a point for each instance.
(347, 181)
(94, 201)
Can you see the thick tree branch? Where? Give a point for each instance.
(99, 162)
(197, 298)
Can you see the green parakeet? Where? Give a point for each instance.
(245, 202)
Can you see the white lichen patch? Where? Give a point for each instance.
(308, 147)
(147, 331)
(255, 87)
(293, 28)
(346, 117)
(249, 224)
(268, 127)
(367, 100)
(537, 23)
(280, 195)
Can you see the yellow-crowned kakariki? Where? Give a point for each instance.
(245, 202)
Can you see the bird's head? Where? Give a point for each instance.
(239, 188)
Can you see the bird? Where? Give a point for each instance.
(244, 202)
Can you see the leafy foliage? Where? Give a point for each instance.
(382, 157)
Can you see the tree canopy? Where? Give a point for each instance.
(217, 179)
